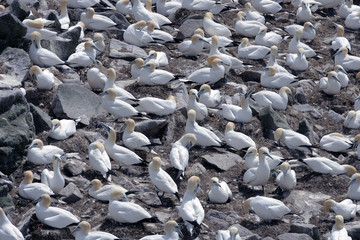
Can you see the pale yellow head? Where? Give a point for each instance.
(2, 8)
(148, 5)
(200, 32)
(193, 94)
(206, 88)
(90, 12)
(357, 138)
(274, 50)
(214, 180)
(35, 36)
(63, 5)
(285, 166)
(85, 227)
(37, 143)
(55, 123)
(139, 62)
(271, 71)
(100, 146)
(88, 45)
(349, 169)
(45, 200)
(112, 93)
(212, 58)
(244, 42)
(248, 6)
(263, 151)
(340, 30)
(328, 204)
(215, 40)
(156, 163)
(35, 70)
(299, 33)
(331, 74)
(152, 66)
(229, 127)
(240, 15)
(111, 74)
(233, 230)
(339, 221)
(195, 38)
(36, 24)
(190, 139)
(191, 114)
(278, 133)
(98, 37)
(247, 205)
(117, 194)
(170, 227)
(285, 90)
(140, 24)
(96, 184)
(28, 177)
(130, 125)
(193, 184)
(151, 26)
(209, 15)
(308, 25)
(215, 63)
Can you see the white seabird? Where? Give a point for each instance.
(304, 14)
(116, 106)
(339, 40)
(198, 4)
(223, 41)
(348, 62)
(293, 140)
(278, 101)
(95, 77)
(64, 16)
(98, 41)
(273, 63)
(168, 8)
(272, 79)
(191, 210)
(353, 191)
(336, 142)
(308, 30)
(342, 76)
(83, 58)
(253, 14)
(248, 51)
(121, 93)
(295, 44)
(251, 158)
(237, 140)
(83, 233)
(209, 75)
(136, 67)
(159, 58)
(45, 80)
(30, 190)
(53, 216)
(266, 6)
(266, 208)
(237, 113)
(7, 230)
(326, 166)
(231, 234)
(37, 25)
(158, 35)
(210, 97)
(39, 154)
(352, 119)
(96, 22)
(331, 84)
(159, 18)
(124, 7)
(123, 211)
(63, 129)
(99, 160)
(352, 21)
(267, 39)
(219, 192)
(286, 179)
(54, 179)
(200, 108)
(338, 231)
(191, 48)
(135, 140)
(345, 208)
(135, 35)
(213, 28)
(149, 75)
(347, 8)
(204, 136)
(103, 192)
(171, 229)
(247, 28)
(157, 106)
(82, 4)
(297, 61)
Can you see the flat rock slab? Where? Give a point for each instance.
(294, 236)
(119, 49)
(190, 25)
(16, 63)
(223, 161)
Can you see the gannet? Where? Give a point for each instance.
(209, 75)
(161, 179)
(45, 80)
(142, 13)
(297, 61)
(95, 77)
(210, 97)
(82, 4)
(99, 160)
(83, 58)
(278, 101)
(136, 67)
(96, 22)
(99, 43)
(267, 39)
(191, 210)
(336, 142)
(308, 30)
(223, 41)
(352, 21)
(63, 129)
(158, 35)
(83, 233)
(151, 76)
(30, 190)
(168, 8)
(204, 136)
(159, 18)
(247, 28)
(248, 51)
(133, 139)
(273, 63)
(171, 229)
(345, 208)
(303, 14)
(116, 106)
(54, 179)
(266, 6)
(53, 216)
(352, 119)
(213, 28)
(79, 25)
(295, 44)
(258, 176)
(231, 234)
(293, 140)
(348, 62)
(347, 8)
(286, 179)
(357, 100)
(39, 154)
(118, 153)
(103, 192)
(64, 16)
(339, 40)
(204, 5)
(159, 58)
(157, 106)
(219, 192)
(134, 34)
(252, 14)
(357, 141)
(7, 230)
(266, 208)
(338, 231)
(38, 26)
(121, 93)
(272, 79)
(123, 211)
(124, 7)
(200, 108)
(191, 48)
(179, 154)
(251, 158)
(342, 76)
(353, 191)
(327, 166)
(237, 140)
(41, 56)
(236, 113)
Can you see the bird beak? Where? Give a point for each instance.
(225, 64)
(105, 126)
(102, 94)
(201, 92)
(95, 47)
(290, 99)
(267, 154)
(37, 200)
(88, 187)
(336, 78)
(76, 229)
(217, 184)
(189, 145)
(203, 40)
(343, 70)
(351, 182)
(177, 229)
(339, 51)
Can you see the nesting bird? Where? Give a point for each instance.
(157, 106)
(135, 140)
(237, 140)
(293, 140)
(45, 80)
(171, 229)
(83, 233)
(99, 160)
(219, 192)
(278, 101)
(286, 179)
(247, 28)
(348, 62)
(297, 61)
(116, 106)
(96, 22)
(7, 229)
(30, 190)
(63, 129)
(353, 191)
(134, 34)
(210, 97)
(345, 208)
(54, 179)
(231, 234)
(200, 108)
(327, 166)
(39, 154)
(338, 231)
(336, 142)
(213, 28)
(102, 193)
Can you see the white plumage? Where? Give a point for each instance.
(266, 208)
(345, 208)
(278, 101)
(219, 192)
(96, 22)
(286, 179)
(258, 176)
(199, 108)
(45, 80)
(293, 140)
(30, 190)
(54, 179)
(156, 106)
(103, 192)
(63, 129)
(237, 140)
(335, 142)
(7, 230)
(179, 154)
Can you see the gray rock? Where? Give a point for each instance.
(6, 186)
(20, 9)
(222, 220)
(250, 75)
(223, 161)
(308, 229)
(353, 229)
(42, 120)
(337, 118)
(195, 170)
(89, 135)
(74, 101)
(300, 95)
(65, 49)
(150, 198)
(74, 167)
(190, 25)
(53, 234)
(252, 237)
(16, 63)
(243, 231)
(12, 31)
(119, 49)
(24, 224)
(307, 108)
(71, 193)
(294, 236)
(270, 121)
(67, 74)
(268, 238)
(16, 129)
(162, 216)
(152, 128)
(306, 129)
